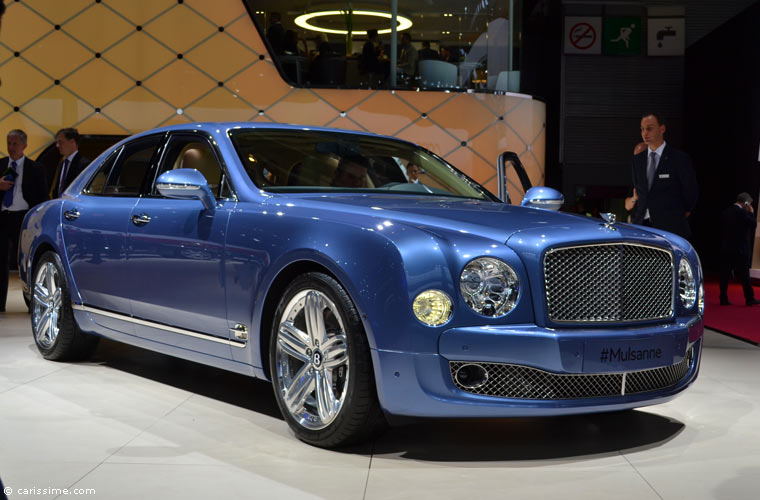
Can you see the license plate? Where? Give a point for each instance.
(627, 355)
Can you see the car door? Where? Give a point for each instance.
(94, 225)
(175, 255)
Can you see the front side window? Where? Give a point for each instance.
(192, 151)
(280, 160)
(461, 45)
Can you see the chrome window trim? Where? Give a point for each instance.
(673, 292)
(159, 326)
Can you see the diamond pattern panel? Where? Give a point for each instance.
(220, 105)
(138, 110)
(206, 56)
(139, 56)
(21, 81)
(57, 105)
(463, 116)
(63, 52)
(99, 81)
(22, 26)
(57, 11)
(428, 134)
(180, 28)
(5, 55)
(180, 84)
(100, 95)
(245, 32)
(219, 13)
(139, 13)
(259, 85)
(303, 108)
(373, 115)
(424, 102)
(98, 27)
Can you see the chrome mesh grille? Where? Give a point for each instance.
(608, 283)
(523, 382)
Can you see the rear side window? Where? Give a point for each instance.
(125, 171)
(98, 182)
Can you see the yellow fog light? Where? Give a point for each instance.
(432, 307)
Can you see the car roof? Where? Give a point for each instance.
(217, 128)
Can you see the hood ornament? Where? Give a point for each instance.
(609, 221)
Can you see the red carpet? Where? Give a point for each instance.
(737, 319)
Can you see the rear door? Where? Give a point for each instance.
(95, 223)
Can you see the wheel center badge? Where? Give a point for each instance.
(317, 358)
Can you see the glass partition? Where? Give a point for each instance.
(442, 44)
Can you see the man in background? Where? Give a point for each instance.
(737, 226)
(22, 186)
(665, 182)
(407, 62)
(67, 142)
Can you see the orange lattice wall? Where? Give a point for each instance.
(124, 66)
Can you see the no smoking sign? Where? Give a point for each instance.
(583, 35)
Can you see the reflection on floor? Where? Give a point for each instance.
(134, 424)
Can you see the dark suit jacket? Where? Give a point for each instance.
(674, 191)
(737, 232)
(33, 184)
(75, 168)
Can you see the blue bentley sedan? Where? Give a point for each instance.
(363, 275)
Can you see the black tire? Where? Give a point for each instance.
(56, 334)
(345, 410)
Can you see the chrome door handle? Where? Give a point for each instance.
(140, 220)
(72, 214)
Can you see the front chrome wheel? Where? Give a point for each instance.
(312, 367)
(47, 302)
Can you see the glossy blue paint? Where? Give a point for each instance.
(204, 268)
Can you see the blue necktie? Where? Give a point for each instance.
(62, 180)
(11, 176)
(651, 168)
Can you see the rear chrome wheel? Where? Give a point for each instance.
(320, 364)
(46, 304)
(55, 332)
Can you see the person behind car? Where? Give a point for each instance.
(351, 172)
(738, 225)
(22, 186)
(67, 142)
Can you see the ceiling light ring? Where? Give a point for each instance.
(404, 23)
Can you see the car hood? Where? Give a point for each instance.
(491, 220)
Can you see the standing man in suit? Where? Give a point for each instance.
(665, 181)
(738, 225)
(23, 186)
(67, 142)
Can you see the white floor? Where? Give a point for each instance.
(133, 425)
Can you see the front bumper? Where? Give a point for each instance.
(414, 384)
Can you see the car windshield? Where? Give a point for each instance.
(292, 160)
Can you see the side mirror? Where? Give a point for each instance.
(186, 184)
(543, 197)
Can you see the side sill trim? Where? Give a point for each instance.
(159, 326)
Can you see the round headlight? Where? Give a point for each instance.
(432, 307)
(489, 286)
(687, 285)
